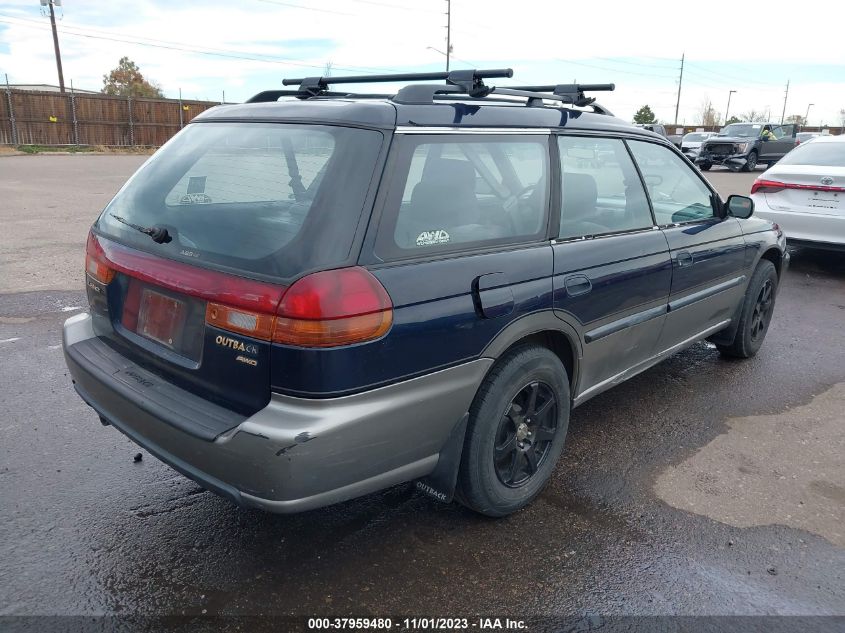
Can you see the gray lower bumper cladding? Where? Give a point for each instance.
(296, 454)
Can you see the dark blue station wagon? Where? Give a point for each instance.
(299, 301)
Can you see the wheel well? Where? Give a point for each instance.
(558, 343)
(776, 257)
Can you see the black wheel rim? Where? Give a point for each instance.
(762, 310)
(752, 160)
(525, 433)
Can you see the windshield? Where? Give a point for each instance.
(742, 129)
(820, 153)
(695, 137)
(267, 198)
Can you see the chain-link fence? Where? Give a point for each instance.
(52, 118)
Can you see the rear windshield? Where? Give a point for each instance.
(694, 137)
(266, 198)
(820, 153)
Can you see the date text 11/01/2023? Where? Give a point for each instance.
(417, 624)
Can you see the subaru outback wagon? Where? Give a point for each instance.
(316, 295)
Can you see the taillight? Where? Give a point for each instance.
(773, 186)
(96, 263)
(324, 309)
(333, 307)
(767, 186)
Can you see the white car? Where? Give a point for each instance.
(691, 143)
(805, 194)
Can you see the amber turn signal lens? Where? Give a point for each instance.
(332, 332)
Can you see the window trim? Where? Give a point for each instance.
(556, 239)
(718, 211)
(380, 244)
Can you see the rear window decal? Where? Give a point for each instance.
(195, 198)
(431, 238)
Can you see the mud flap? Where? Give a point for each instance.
(440, 484)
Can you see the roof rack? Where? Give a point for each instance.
(574, 93)
(457, 82)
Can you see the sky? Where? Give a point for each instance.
(241, 47)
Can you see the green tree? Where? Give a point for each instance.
(645, 115)
(127, 81)
(733, 119)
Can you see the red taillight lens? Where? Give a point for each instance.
(767, 186)
(96, 263)
(324, 309)
(333, 307)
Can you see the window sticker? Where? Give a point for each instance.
(431, 238)
(196, 192)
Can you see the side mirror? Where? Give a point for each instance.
(740, 207)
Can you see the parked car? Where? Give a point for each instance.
(657, 128)
(805, 194)
(741, 146)
(803, 137)
(296, 303)
(691, 143)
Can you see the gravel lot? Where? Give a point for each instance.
(700, 487)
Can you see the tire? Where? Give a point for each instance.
(751, 161)
(501, 424)
(705, 166)
(757, 308)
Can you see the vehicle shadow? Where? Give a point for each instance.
(815, 261)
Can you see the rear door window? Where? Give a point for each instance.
(601, 191)
(266, 198)
(451, 192)
(677, 193)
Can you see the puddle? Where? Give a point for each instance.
(786, 469)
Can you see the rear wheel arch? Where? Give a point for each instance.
(544, 329)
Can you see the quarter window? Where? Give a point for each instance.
(451, 192)
(677, 193)
(601, 191)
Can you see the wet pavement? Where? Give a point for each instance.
(87, 530)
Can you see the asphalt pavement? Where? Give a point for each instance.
(700, 487)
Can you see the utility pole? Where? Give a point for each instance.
(448, 32)
(807, 116)
(680, 81)
(729, 105)
(51, 4)
(785, 97)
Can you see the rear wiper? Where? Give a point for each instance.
(158, 233)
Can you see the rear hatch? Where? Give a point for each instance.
(189, 262)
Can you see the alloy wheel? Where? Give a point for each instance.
(762, 310)
(525, 433)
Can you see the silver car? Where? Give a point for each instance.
(691, 143)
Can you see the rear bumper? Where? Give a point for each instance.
(804, 229)
(296, 454)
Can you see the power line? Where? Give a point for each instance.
(305, 8)
(168, 45)
(613, 70)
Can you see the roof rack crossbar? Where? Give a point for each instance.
(571, 93)
(452, 77)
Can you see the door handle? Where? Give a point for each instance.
(577, 285)
(685, 258)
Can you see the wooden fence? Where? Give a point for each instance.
(52, 118)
